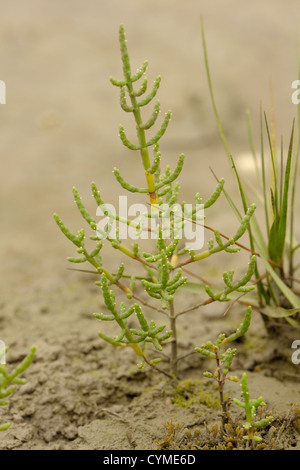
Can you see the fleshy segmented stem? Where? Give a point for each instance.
(143, 144)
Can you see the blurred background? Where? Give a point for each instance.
(59, 127)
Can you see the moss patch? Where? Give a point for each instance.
(191, 392)
(254, 344)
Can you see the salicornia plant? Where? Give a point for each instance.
(250, 406)
(7, 378)
(277, 247)
(224, 359)
(164, 268)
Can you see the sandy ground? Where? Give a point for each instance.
(59, 128)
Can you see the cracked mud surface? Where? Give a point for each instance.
(59, 129)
